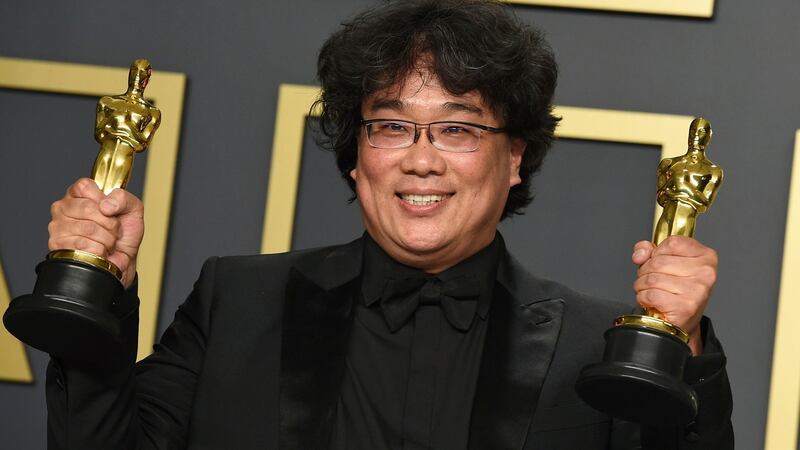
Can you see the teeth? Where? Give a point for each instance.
(422, 200)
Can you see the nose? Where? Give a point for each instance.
(422, 158)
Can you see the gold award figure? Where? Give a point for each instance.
(640, 378)
(125, 126)
(77, 306)
(686, 185)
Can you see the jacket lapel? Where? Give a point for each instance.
(524, 324)
(316, 324)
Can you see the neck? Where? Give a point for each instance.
(694, 148)
(134, 91)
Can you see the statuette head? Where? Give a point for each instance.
(139, 75)
(699, 133)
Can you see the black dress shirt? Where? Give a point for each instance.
(414, 353)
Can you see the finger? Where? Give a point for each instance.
(77, 243)
(641, 252)
(85, 188)
(83, 209)
(119, 259)
(85, 228)
(680, 310)
(671, 305)
(681, 246)
(681, 286)
(121, 202)
(702, 270)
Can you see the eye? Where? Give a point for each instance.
(454, 130)
(392, 128)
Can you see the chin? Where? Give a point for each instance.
(422, 243)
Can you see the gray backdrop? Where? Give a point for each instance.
(739, 69)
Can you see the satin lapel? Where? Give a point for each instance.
(316, 324)
(523, 331)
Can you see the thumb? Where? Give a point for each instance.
(120, 203)
(642, 251)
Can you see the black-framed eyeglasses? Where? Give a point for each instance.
(449, 136)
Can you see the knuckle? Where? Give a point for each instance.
(710, 275)
(80, 186)
(55, 208)
(705, 290)
(85, 184)
(706, 275)
(87, 228)
(81, 243)
(713, 256)
(88, 208)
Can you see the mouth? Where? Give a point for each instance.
(423, 200)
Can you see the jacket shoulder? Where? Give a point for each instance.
(531, 288)
(324, 266)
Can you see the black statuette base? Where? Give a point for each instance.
(70, 313)
(640, 378)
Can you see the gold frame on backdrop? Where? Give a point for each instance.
(783, 416)
(687, 8)
(15, 366)
(166, 89)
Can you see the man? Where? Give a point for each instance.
(424, 333)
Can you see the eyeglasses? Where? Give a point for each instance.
(450, 136)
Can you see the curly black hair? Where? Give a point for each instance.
(470, 45)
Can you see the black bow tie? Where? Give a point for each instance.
(458, 298)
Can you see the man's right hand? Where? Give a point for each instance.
(110, 226)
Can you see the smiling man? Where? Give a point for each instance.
(434, 170)
(423, 334)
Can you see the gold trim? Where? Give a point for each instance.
(294, 104)
(15, 366)
(663, 130)
(783, 415)
(87, 258)
(166, 89)
(688, 8)
(652, 323)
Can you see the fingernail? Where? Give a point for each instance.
(639, 252)
(111, 203)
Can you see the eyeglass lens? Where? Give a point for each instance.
(454, 137)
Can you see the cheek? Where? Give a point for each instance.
(370, 174)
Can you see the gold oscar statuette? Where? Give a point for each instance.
(641, 376)
(74, 310)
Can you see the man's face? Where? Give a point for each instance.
(425, 207)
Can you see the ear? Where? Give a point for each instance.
(515, 155)
(354, 174)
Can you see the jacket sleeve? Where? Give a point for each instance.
(711, 429)
(118, 404)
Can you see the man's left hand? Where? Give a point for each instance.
(676, 278)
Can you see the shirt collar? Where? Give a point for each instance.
(379, 267)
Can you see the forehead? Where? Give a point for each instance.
(422, 90)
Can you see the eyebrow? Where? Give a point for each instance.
(398, 105)
(463, 107)
(395, 105)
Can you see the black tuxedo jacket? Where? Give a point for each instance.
(254, 359)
